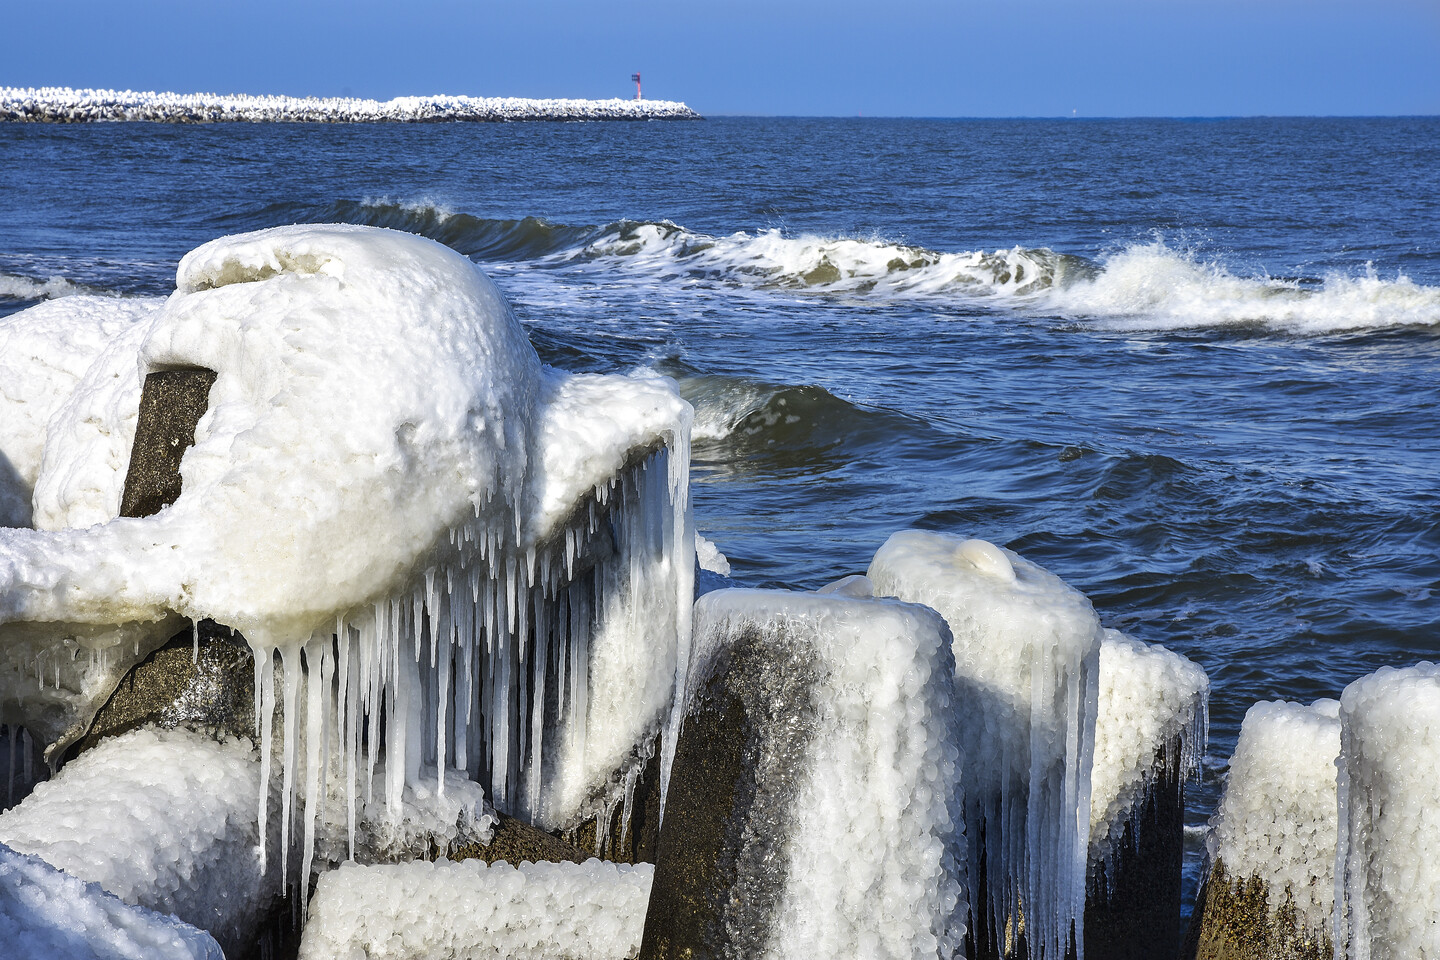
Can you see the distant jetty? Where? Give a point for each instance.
(66, 105)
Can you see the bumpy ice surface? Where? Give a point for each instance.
(1027, 653)
(873, 859)
(1152, 710)
(439, 910)
(162, 819)
(46, 914)
(1277, 818)
(1389, 873)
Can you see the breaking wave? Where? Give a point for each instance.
(1143, 286)
(1154, 286)
(14, 287)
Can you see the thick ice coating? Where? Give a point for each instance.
(1388, 874)
(44, 353)
(390, 492)
(1153, 709)
(46, 914)
(1276, 820)
(868, 849)
(440, 910)
(161, 819)
(1027, 653)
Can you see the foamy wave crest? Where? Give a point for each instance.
(769, 259)
(24, 288)
(1154, 286)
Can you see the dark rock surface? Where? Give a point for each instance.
(1233, 921)
(516, 842)
(1132, 910)
(635, 841)
(171, 404)
(719, 868)
(208, 685)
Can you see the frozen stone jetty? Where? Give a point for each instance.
(67, 105)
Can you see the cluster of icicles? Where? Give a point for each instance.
(480, 664)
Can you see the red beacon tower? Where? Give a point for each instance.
(635, 79)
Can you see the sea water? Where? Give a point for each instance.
(1188, 366)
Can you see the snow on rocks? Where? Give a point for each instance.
(1027, 653)
(46, 914)
(1388, 874)
(165, 820)
(815, 800)
(1150, 732)
(1271, 843)
(66, 105)
(389, 493)
(446, 911)
(1153, 712)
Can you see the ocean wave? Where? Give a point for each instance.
(1143, 286)
(14, 287)
(1154, 286)
(841, 265)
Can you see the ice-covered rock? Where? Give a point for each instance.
(814, 801)
(391, 496)
(1270, 885)
(46, 914)
(66, 105)
(166, 820)
(44, 353)
(440, 910)
(1388, 871)
(1027, 653)
(1150, 732)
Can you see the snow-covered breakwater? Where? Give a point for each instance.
(67, 105)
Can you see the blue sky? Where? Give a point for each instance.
(796, 57)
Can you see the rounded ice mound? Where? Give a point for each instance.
(373, 390)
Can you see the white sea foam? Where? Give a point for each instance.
(66, 105)
(1144, 286)
(27, 288)
(1155, 286)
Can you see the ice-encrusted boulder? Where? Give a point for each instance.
(526, 911)
(388, 495)
(165, 820)
(813, 806)
(1388, 869)
(46, 914)
(1269, 890)
(1150, 731)
(1026, 650)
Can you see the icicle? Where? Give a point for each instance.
(194, 641)
(264, 717)
(291, 672)
(316, 681)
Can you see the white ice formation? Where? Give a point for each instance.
(46, 914)
(486, 566)
(872, 859)
(165, 820)
(1387, 871)
(1027, 651)
(1277, 818)
(66, 105)
(449, 911)
(1153, 712)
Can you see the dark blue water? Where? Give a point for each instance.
(1198, 379)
